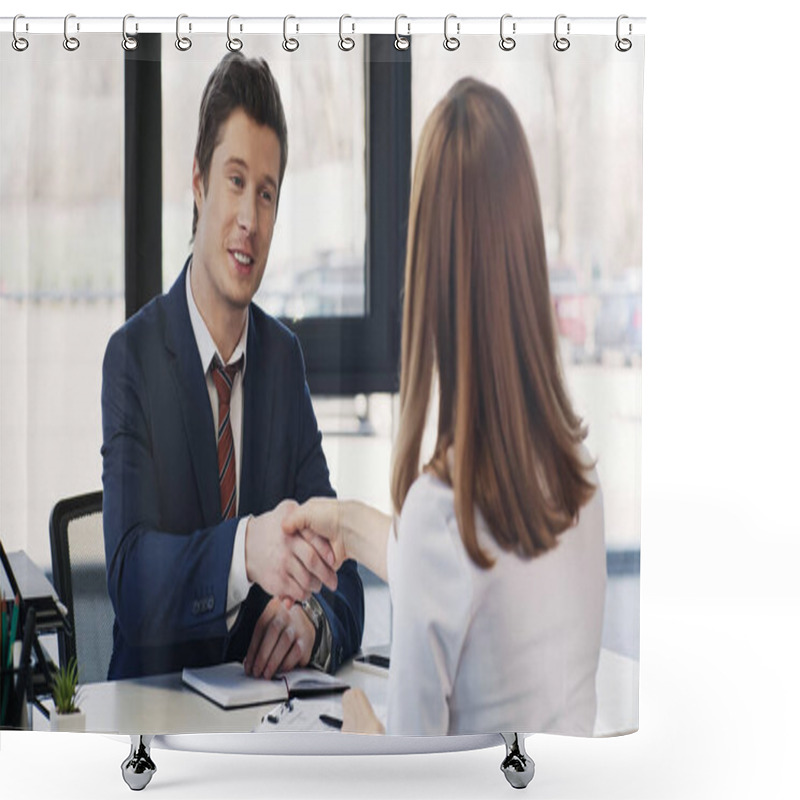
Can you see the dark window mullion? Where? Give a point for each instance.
(350, 355)
(142, 172)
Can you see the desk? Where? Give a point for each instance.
(161, 704)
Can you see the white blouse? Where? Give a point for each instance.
(513, 648)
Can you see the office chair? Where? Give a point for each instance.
(79, 576)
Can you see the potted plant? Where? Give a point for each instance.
(66, 716)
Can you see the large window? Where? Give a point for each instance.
(335, 270)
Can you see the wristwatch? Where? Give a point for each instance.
(321, 651)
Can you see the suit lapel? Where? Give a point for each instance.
(190, 387)
(256, 423)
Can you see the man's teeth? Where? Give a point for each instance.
(243, 259)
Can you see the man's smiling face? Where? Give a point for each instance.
(235, 215)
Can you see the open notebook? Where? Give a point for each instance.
(228, 686)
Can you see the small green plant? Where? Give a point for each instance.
(65, 688)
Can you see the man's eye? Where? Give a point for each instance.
(237, 181)
(266, 195)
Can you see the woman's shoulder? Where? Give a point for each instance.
(427, 519)
(427, 550)
(429, 500)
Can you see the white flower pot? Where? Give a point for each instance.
(76, 721)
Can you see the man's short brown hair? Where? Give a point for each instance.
(238, 82)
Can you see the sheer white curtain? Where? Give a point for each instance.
(61, 272)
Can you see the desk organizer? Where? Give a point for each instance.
(254, 265)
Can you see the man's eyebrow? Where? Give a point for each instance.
(240, 162)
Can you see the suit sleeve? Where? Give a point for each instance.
(343, 608)
(165, 587)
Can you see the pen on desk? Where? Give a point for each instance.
(332, 721)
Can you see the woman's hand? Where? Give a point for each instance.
(357, 714)
(353, 529)
(319, 516)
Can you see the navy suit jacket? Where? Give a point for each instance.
(168, 553)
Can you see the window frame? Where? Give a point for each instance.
(343, 355)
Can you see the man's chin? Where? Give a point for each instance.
(240, 302)
(241, 294)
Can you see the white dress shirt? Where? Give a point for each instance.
(238, 585)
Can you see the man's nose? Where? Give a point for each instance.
(246, 213)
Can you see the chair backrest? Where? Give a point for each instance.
(79, 576)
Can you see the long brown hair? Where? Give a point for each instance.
(477, 307)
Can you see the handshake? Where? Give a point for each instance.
(294, 550)
(288, 557)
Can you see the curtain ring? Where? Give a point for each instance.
(623, 45)
(345, 42)
(507, 42)
(561, 43)
(71, 43)
(290, 44)
(233, 44)
(19, 43)
(128, 42)
(401, 42)
(451, 43)
(183, 43)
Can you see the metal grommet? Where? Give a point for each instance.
(401, 42)
(233, 44)
(507, 42)
(345, 42)
(183, 43)
(623, 45)
(71, 43)
(19, 43)
(561, 43)
(290, 44)
(451, 42)
(128, 42)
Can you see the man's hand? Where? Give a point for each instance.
(357, 714)
(282, 640)
(284, 565)
(318, 518)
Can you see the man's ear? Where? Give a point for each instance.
(197, 187)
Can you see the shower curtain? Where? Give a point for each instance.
(98, 179)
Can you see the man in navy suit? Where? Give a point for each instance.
(209, 436)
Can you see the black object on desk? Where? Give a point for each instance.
(375, 659)
(39, 612)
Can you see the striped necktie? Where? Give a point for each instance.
(226, 456)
